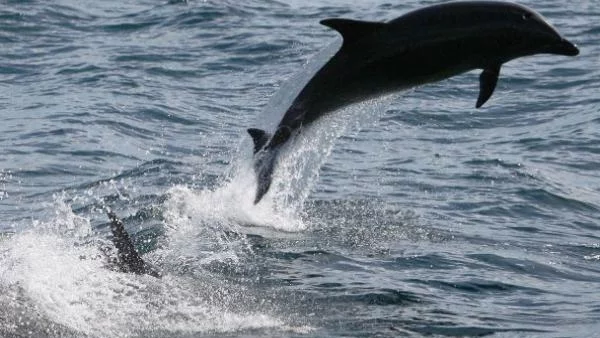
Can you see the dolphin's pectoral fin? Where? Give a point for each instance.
(487, 84)
(352, 30)
(260, 138)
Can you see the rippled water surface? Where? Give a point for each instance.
(427, 216)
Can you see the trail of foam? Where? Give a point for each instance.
(297, 170)
(61, 276)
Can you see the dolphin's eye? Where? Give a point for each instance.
(526, 16)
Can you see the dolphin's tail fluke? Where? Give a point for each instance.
(264, 161)
(129, 260)
(266, 150)
(264, 165)
(259, 137)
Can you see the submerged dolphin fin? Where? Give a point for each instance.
(129, 260)
(487, 84)
(260, 138)
(352, 30)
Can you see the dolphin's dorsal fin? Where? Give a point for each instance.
(352, 30)
(129, 259)
(260, 138)
(487, 84)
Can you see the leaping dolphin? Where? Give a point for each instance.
(424, 46)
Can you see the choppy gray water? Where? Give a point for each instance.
(428, 217)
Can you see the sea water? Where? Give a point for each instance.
(414, 214)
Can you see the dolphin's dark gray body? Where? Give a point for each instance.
(423, 46)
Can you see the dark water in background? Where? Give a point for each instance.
(433, 219)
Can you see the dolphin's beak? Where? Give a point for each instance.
(564, 47)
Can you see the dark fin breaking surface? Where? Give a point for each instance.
(260, 138)
(352, 30)
(129, 260)
(487, 84)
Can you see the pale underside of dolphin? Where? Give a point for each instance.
(424, 46)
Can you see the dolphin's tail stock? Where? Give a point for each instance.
(128, 259)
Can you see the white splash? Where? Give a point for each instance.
(296, 172)
(60, 274)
